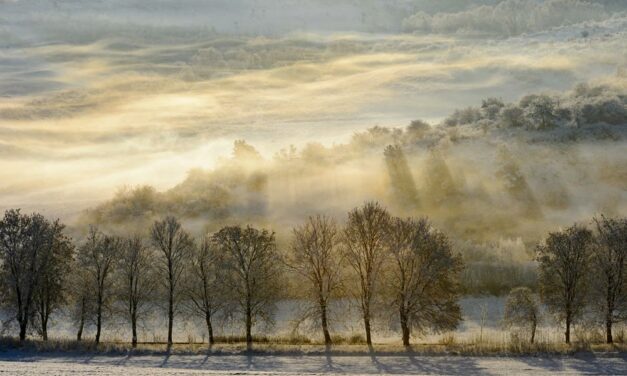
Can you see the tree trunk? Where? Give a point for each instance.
(98, 323)
(325, 323)
(170, 313)
(608, 328)
(209, 328)
(533, 332)
(44, 328)
(249, 325)
(367, 327)
(23, 326)
(404, 327)
(43, 316)
(134, 329)
(567, 334)
(81, 324)
(22, 318)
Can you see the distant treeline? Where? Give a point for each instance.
(586, 105)
(405, 263)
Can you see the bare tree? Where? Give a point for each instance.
(255, 266)
(423, 277)
(363, 247)
(97, 258)
(564, 269)
(205, 287)
(136, 279)
(52, 291)
(315, 256)
(610, 269)
(26, 244)
(522, 310)
(80, 298)
(175, 246)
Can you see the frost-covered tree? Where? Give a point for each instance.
(254, 266)
(609, 262)
(205, 287)
(364, 250)
(464, 116)
(315, 256)
(541, 110)
(136, 280)
(522, 310)
(97, 258)
(422, 277)
(53, 290)
(512, 116)
(417, 129)
(565, 265)
(175, 247)
(491, 107)
(31, 248)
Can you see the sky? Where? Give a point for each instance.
(95, 95)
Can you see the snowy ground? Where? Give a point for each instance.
(15, 363)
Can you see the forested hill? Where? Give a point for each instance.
(487, 173)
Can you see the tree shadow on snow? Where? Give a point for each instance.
(442, 365)
(328, 359)
(585, 363)
(166, 358)
(373, 357)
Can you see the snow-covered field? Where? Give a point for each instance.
(15, 363)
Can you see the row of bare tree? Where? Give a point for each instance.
(236, 271)
(582, 272)
(405, 262)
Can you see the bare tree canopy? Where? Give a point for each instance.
(175, 246)
(136, 280)
(609, 263)
(255, 272)
(522, 310)
(423, 277)
(205, 286)
(52, 292)
(363, 247)
(564, 272)
(315, 256)
(97, 257)
(31, 247)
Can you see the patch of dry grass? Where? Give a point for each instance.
(351, 345)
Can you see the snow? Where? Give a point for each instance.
(16, 363)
